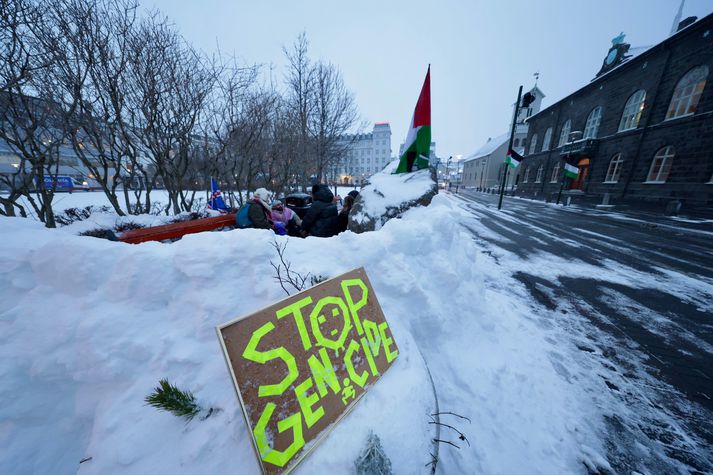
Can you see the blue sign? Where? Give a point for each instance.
(63, 182)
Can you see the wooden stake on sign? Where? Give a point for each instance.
(276, 355)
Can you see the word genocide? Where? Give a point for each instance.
(301, 364)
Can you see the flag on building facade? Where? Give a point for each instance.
(216, 199)
(417, 146)
(513, 158)
(570, 171)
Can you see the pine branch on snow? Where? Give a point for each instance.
(373, 460)
(169, 398)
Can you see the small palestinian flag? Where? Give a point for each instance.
(513, 158)
(417, 146)
(570, 171)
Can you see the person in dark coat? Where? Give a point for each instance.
(259, 211)
(321, 218)
(343, 217)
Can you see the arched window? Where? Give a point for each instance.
(539, 174)
(632, 111)
(614, 170)
(564, 133)
(533, 143)
(687, 93)
(591, 129)
(516, 143)
(526, 178)
(555, 173)
(548, 139)
(661, 165)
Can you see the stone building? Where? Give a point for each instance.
(640, 133)
(366, 154)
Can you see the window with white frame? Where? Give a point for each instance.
(555, 173)
(526, 178)
(687, 93)
(564, 133)
(614, 170)
(632, 111)
(547, 140)
(533, 143)
(591, 129)
(661, 165)
(540, 170)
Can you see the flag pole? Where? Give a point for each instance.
(512, 137)
(564, 174)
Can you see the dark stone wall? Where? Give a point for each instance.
(657, 71)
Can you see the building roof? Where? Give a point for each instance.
(634, 55)
(489, 147)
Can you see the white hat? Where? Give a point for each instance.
(263, 194)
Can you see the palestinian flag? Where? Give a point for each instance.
(417, 146)
(570, 171)
(513, 158)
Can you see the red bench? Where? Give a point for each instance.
(176, 230)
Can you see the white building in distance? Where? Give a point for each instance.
(367, 154)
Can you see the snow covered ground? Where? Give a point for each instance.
(88, 327)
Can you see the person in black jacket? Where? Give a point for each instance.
(343, 217)
(321, 218)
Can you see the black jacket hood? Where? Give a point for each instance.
(322, 193)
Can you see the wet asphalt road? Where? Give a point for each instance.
(660, 304)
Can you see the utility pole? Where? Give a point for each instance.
(512, 136)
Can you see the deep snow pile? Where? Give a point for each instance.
(88, 327)
(388, 196)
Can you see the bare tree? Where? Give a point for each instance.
(333, 115)
(16, 66)
(300, 82)
(32, 106)
(171, 83)
(90, 49)
(323, 110)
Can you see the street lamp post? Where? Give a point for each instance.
(512, 135)
(448, 177)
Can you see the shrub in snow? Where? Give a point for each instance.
(373, 460)
(100, 233)
(167, 397)
(71, 215)
(127, 226)
(190, 217)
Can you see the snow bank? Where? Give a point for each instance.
(88, 327)
(388, 196)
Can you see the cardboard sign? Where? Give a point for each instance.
(301, 365)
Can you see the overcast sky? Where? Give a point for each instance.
(480, 51)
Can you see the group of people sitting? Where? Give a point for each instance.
(323, 218)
